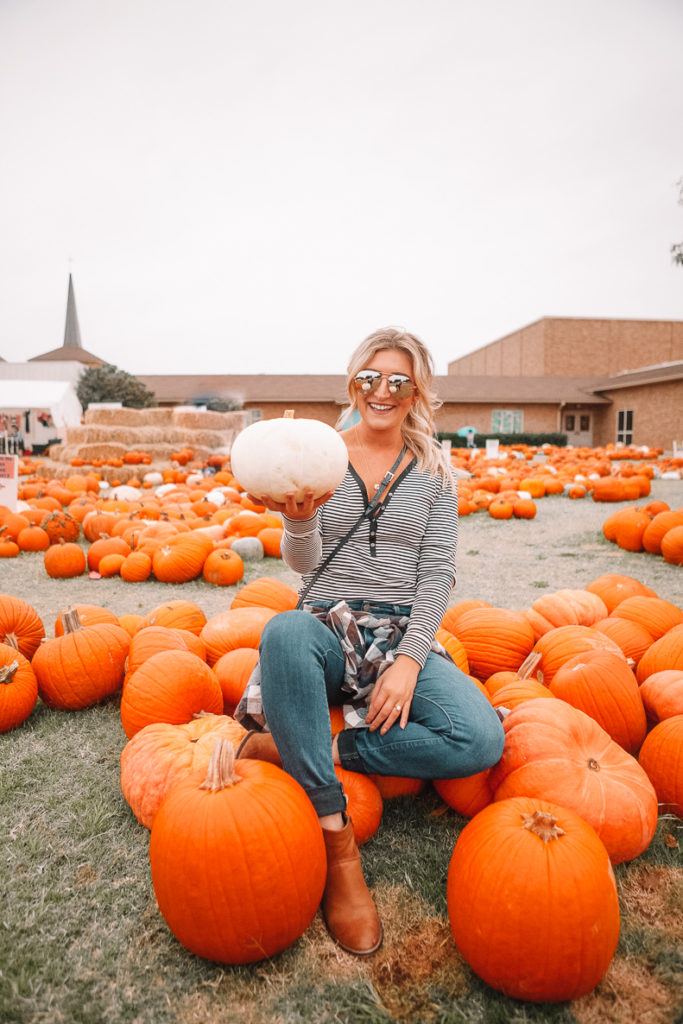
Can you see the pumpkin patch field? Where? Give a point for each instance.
(548, 890)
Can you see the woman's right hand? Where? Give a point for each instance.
(289, 507)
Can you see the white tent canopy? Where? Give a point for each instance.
(45, 408)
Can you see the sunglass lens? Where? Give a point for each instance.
(368, 380)
(400, 386)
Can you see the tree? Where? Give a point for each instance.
(106, 383)
(677, 250)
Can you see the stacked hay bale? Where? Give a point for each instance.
(110, 433)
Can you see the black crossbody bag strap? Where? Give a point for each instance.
(367, 514)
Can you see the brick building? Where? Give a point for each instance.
(598, 381)
(631, 378)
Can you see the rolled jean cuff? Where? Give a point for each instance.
(327, 799)
(348, 754)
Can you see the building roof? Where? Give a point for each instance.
(656, 374)
(252, 388)
(69, 352)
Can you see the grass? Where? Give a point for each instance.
(82, 940)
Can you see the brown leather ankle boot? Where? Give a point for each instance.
(260, 746)
(348, 908)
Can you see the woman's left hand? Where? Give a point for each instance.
(392, 695)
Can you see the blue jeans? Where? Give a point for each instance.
(452, 732)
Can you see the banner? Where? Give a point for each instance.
(9, 477)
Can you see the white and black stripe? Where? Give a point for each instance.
(406, 556)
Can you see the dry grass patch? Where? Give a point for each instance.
(628, 993)
(652, 897)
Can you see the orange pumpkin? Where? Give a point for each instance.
(602, 684)
(178, 614)
(468, 795)
(18, 688)
(530, 853)
(171, 687)
(266, 592)
(238, 627)
(556, 752)
(208, 838)
(661, 757)
(83, 666)
(20, 625)
(233, 670)
(364, 803)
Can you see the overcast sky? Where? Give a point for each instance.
(254, 186)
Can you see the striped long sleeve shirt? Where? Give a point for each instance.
(406, 555)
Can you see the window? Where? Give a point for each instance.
(569, 421)
(625, 426)
(507, 421)
(585, 422)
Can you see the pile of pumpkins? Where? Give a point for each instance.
(203, 528)
(655, 528)
(590, 684)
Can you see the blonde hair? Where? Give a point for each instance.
(417, 429)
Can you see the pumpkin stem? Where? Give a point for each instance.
(542, 825)
(288, 414)
(221, 771)
(528, 666)
(12, 640)
(71, 620)
(7, 672)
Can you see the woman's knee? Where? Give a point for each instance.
(484, 743)
(284, 630)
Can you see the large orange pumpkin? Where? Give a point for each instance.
(601, 684)
(613, 588)
(238, 860)
(556, 752)
(178, 614)
(532, 900)
(266, 592)
(495, 639)
(83, 666)
(559, 645)
(171, 687)
(239, 627)
(665, 653)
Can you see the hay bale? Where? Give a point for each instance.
(156, 416)
(206, 420)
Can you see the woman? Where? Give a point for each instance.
(365, 636)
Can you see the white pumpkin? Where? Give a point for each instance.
(277, 456)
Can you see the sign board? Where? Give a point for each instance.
(492, 447)
(9, 477)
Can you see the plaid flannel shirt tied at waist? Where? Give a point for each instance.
(368, 641)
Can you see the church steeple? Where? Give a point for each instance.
(72, 333)
(72, 349)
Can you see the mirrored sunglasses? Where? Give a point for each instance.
(399, 384)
